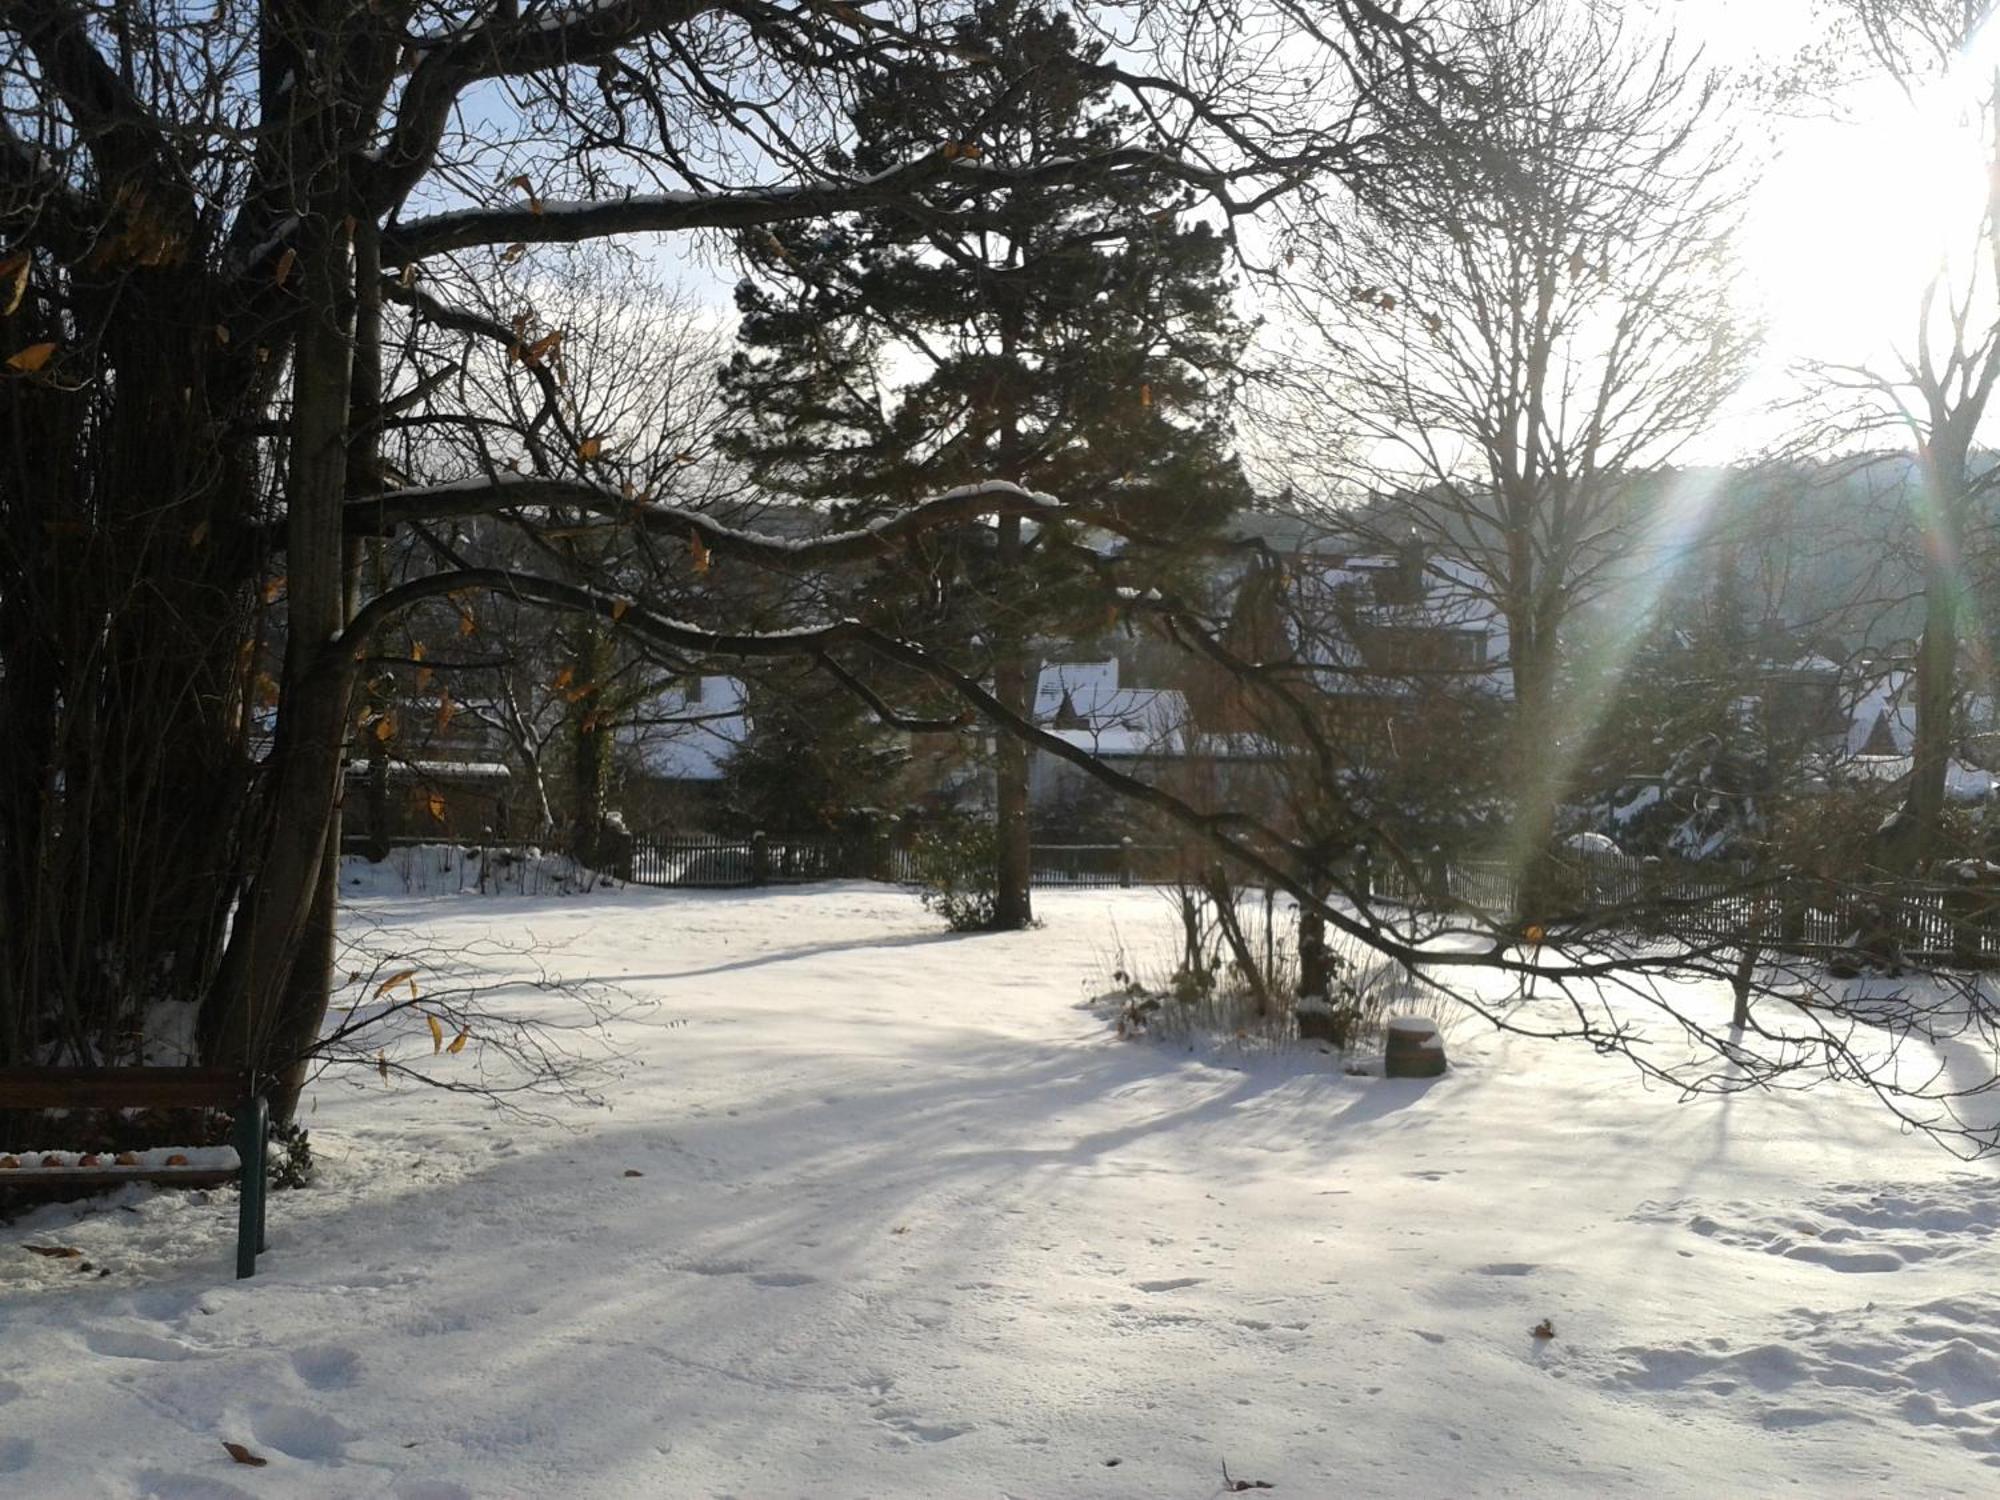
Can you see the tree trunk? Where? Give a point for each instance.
(1014, 854)
(1942, 472)
(261, 1019)
(1536, 767)
(307, 987)
(590, 746)
(1316, 959)
(1936, 688)
(1741, 980)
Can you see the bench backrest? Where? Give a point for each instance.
(121, 1088)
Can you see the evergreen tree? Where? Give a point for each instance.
(1075, 336)
(812, 763)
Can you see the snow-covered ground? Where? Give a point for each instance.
(883, 1212)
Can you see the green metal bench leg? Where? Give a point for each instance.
(263, 1172)
(253, 1131)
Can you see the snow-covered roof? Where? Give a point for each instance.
(436, 770)
(688, 732)
(1883, 701)
(1361, 614)
(1962, 782)
(1087, 684)
(1082, 703)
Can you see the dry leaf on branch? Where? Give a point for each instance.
(14, 277)
(27, 361)
(401, 976)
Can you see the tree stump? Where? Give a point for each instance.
(1319, 1021)
(1413, 1049)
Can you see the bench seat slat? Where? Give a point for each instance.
(120, 1088)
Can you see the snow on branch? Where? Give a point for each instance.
(483, 495)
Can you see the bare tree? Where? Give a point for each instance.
(1937, 388)
(1501, 349)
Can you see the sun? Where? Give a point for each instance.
(1854, 221)
(1866, 205)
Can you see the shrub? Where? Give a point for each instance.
(955, 873)
(290, 1164)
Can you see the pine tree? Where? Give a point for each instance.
(1073, 336)
(813, 762)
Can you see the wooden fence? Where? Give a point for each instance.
(1934, 921)
(710, 861)
(1930, 921)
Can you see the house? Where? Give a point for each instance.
(1881, 714)
(1879, 744)
(1396, 626)
(1083, 704)
(675, 752)
(1149, 733)
(1135, 730)
(455, 801)
(428, 769)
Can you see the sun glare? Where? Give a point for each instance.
(1858, 214)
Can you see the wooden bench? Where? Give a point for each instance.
(37, 1089)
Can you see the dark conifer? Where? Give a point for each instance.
(1075, 336)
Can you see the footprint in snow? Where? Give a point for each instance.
(1170, 1284)
(300, 1432)
(326, 1367)
(907, 1426)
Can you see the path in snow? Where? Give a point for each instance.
(910, 1221)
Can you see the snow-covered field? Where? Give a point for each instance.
(910, 1221)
